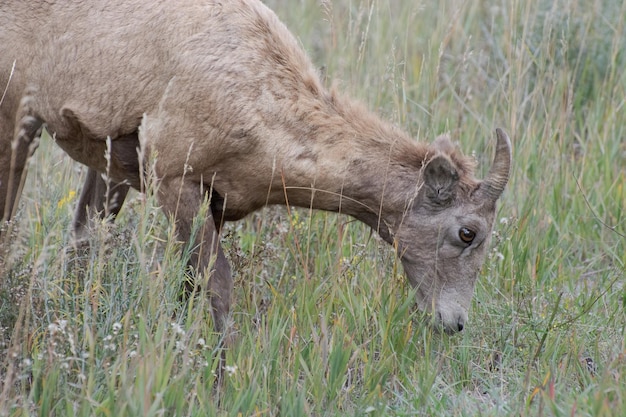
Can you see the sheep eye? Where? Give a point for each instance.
(466, 235)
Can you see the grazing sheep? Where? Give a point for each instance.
(231, 108)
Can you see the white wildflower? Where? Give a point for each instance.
(231, 370)
(70, 340)
(178, 329)
(201, 343)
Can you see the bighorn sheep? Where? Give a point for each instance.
(232, 109)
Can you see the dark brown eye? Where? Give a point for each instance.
(466, 235)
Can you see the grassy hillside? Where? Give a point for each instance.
(326, 323)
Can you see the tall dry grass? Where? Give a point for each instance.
(326, 323)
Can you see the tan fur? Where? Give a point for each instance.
(223, 96)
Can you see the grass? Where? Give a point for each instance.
(326, 323)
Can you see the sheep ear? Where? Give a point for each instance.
(440, 180)
(444, 143)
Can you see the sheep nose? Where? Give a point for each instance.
(453, 326)
(460, 324)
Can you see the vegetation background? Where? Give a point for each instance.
(326, 322)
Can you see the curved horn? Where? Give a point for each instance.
(498, 176)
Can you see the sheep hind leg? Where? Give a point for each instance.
(182, 200)
(99, 199)
(18, 142)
